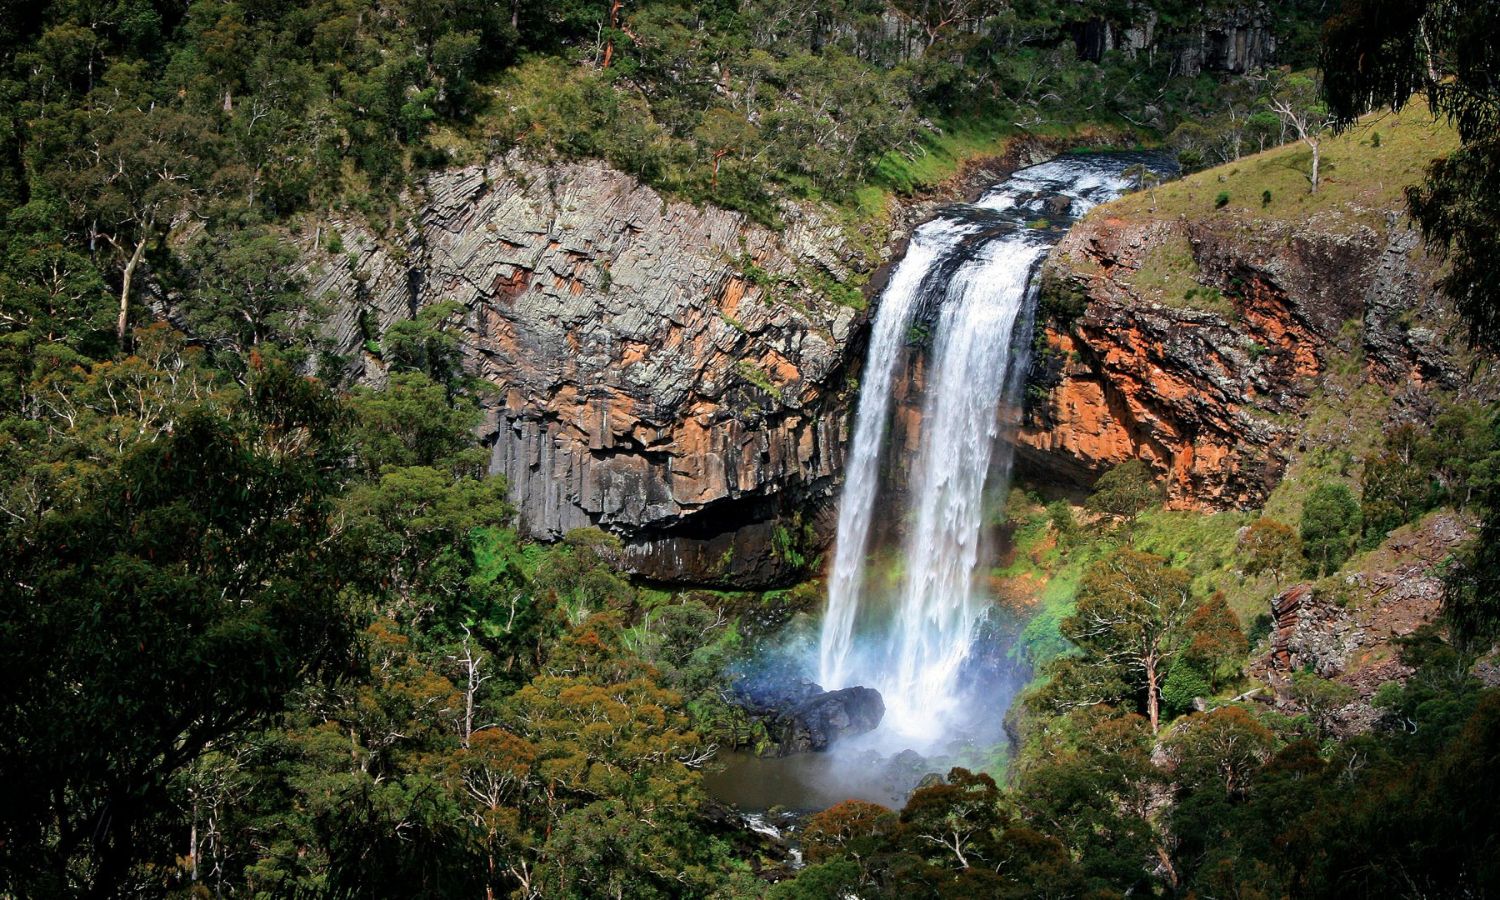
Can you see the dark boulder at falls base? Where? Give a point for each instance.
(829, 716)
(801, 717)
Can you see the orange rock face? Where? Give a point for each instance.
(1210, 397)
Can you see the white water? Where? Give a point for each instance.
(857, 506)
(976, 263)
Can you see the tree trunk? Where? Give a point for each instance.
(614, 25)
(1315, 160)
(1153, 708)
(123, 321)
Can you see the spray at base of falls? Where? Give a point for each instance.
(970, 272)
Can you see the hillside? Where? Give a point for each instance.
(1225, 342)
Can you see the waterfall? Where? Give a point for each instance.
(861, 469)
(968, 274)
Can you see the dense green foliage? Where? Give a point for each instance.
(1330, 527)
(1255, 808)
(1232, 796)
(272, 639)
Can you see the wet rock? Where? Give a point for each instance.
(801, 717)
(994, 665)
(763, 838)
(1058, 205)
(770, 694)
(825, 718)
(903, 772)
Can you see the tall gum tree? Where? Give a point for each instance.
(1132, 608)
(128, 166)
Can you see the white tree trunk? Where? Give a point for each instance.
(123, 321)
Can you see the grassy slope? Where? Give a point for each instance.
(1364, 172)
(1362, 179)
(1051, 569)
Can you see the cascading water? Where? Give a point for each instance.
(857, 506)
(974, 266)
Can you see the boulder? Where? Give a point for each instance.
(825, 718)
(801, 717)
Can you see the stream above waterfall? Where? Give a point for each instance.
(961, 303)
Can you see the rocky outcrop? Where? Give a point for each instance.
(1346, 629)
(1338, 630)
(1210, 395)
(801, 717)
(664, 371)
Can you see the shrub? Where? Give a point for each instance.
(1265, 197)
(1330, 526)
(1222, 200)
(1184, 684)
(1216, 644)
(1270, 547)
(1260, 629)
(1321, 698)
(1125, 491)
(1060, 301)
(1060, 515)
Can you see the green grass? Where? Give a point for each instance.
(1170, 275)
(1360, 181)
(939, 155)
(1206, 545)
(1042, 637)
(1203, 544)
(1052, 569)
(1343, 424)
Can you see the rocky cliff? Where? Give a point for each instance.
(1193, 333)
(674, 374)
(1240, 39)
(1347, 629)
(671, 373)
